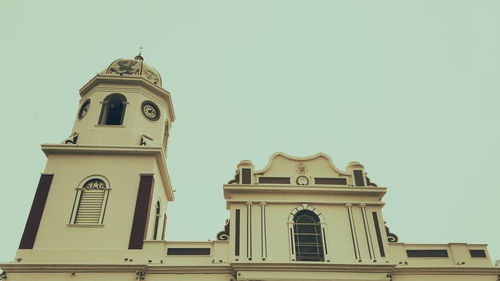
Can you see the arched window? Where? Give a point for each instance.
(157, 220)
(90, 202)
(307, 236)
(113, 110)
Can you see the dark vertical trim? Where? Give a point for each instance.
(251, 238)
(379, 234)
(157, 220)
(247, 238)
(369, 233)
(365, 226)
(352, 233)
(324, 240)
(141, 213)
(36, 212)
(246, 176)
(249, 231)
(292, 240)
(262, 230)
(359, 178)
(164, 226)
(265, 231)
(237, 234)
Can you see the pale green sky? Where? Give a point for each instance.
(408, 88)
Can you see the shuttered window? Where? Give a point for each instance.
(91, 200)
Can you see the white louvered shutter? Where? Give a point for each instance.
(91, 200)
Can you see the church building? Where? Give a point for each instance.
(99, 211)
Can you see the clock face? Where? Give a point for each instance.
(150, 110)
(84, 109)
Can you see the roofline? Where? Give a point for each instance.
(305, 158)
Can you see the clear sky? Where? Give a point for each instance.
(408, 88)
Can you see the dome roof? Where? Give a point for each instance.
(135, 68)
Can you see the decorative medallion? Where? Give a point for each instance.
(84, 109)
(302, 180)
(151, 76)
(125, 67)
(150, 110)
(301, 168)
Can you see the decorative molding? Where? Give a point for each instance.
(109, 268)
(302, 180)
(145, 140)
(263, 230)
(71, 139)
(301, 168)
(249, 231)
(354, 235)
(391, 237)
(368, 191)
(302, 159)
(236, 179)
(368, 233)
(224, 235)
(305, 207)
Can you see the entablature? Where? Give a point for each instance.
(297, 193)
(157, 152)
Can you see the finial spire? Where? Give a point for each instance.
(139, 57)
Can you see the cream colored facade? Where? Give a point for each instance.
(99, 210)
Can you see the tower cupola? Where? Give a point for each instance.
(124, 105)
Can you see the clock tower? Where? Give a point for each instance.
(105, 188)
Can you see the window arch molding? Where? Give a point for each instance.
(113, 109)
(89, 206)
(319, 226)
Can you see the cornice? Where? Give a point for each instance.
(59, 268)
(110, 268)
(235, 267)
(471, 270)
(117, 150)
(313, 267)
(310, 202)
(328, 189)
(176, 269)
